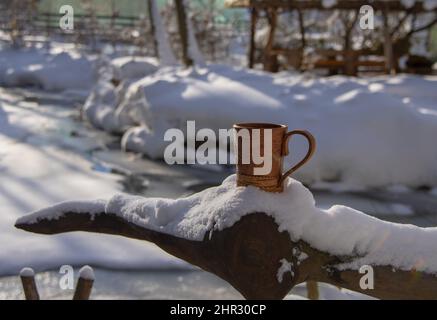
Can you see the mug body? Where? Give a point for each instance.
(252, 139)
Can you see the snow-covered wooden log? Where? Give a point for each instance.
(263, 244)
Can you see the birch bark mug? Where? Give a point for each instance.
(260, 150)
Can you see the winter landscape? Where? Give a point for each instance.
(88, 94)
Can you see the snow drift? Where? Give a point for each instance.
(41, 163)
(371, 132)
(105, 107)
(50, 70)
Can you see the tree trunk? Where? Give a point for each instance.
(302, 37)
(183, 32)
(270, 60)
(388, 47)
(349, 56)
(152, 27)
(252, 45)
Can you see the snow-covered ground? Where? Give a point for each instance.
(43, 161)
(371, 132)
(49, 156)
(55, 69)
(155, 284)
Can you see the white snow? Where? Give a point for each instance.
(87, 273)
(91, 206)
(398, 189)
(338, 230)
(430, 4)
(54, 70)
(285, 267)
(104, 107)
(408, 3)
(41, 163)
(329, 3)
(133, 67)
(299, 255)
(354, 120)
(27, 272)
(165, 53)
(401, 209)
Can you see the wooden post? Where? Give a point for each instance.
(388, 45)
(27, 276)
(183, 32)
(270, 63)
(248, 254)
(252, 45)
(84, 284)
(312, 290)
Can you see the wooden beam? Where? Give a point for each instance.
(248, 255)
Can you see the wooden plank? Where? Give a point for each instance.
(29, 286)
(248, 256)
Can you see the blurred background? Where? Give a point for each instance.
(83, 112)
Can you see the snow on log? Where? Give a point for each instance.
(86, 272)
(27, 272)
(254, 233)
(339, 230)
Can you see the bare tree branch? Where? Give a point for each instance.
(424, 27)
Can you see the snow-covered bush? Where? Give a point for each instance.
(48, 70)
(105, 107)
(369, 131)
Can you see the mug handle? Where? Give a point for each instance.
(285, 151)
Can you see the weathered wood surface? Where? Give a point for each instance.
(29, 287)
(247, 255)
(83, 289)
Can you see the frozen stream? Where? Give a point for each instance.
(41, 121)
